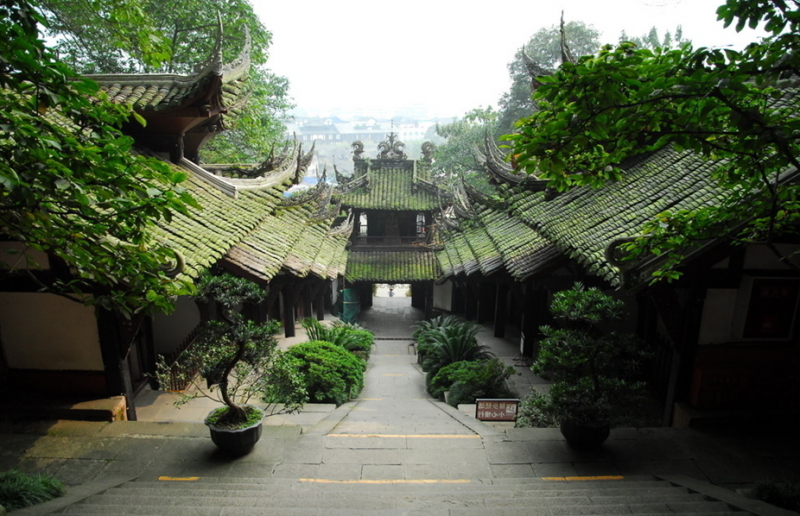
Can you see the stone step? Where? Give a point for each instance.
(210, 496)
(368, 501)
(463, 493)
(523, 484)
(264, 511)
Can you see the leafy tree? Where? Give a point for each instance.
(70, 185)
(544, 48)
(104, 37)
(652, 41)
(237, 358)
(456, 157)
(722, 104)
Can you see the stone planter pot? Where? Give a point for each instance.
(584, 437)
(239, 441)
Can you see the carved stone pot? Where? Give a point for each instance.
(581, 436)
(239, 441)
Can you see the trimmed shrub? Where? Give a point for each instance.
(18, 490)
(331, 373)
(351, 337)
(468, 380)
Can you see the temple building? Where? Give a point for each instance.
(393, 200)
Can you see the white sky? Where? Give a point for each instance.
(449, 56)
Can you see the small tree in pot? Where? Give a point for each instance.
(594, 372)
(237, 360)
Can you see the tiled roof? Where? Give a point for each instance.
(392, 187)
(493, 241)
(206, 234)
(392, 266)
(295, 241)
(161, 92)
(583, 221)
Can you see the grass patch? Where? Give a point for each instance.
(18, 490)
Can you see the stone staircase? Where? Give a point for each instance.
(502, 497)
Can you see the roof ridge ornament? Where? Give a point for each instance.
(391, 149)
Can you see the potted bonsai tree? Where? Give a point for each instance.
(237, 359)
(594, 372)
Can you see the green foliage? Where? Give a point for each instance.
(534, 412)
(70, 185)
(238, 359)
(440, 321)
(351, 337)
(729, 106)
(652, 41)
(477, 379)
(219, 418)
(594, 373)
(18, 490)
(332, 374)
(785, 495)
(453, 343)
(171, 36)
(544, 47)
(456, 156)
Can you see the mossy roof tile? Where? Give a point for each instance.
(391, 188)
(392, 266)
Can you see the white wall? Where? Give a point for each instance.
(170, 330)
(443, 296)
(45, 331)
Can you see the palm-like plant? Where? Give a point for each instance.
(453, 343)
(423, 330)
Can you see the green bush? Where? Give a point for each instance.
(534, 412)
(331, 373)
(18, 490)
(468, 380)
(596, 374)
(351, 337)
(453, 344)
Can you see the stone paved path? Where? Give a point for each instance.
(394, 401)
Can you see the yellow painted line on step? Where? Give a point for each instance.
(411, 436)
(422, 481)
(569, 479)
(179, 479)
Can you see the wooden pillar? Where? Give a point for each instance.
(365, 293)
(319, 300)
(470, 302)
(457, 301)
(428, 288)
(307, 299)
(288, 310)
(117, 372)
(501, 309)
(535, 314)
(486, 302)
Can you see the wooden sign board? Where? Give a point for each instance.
(487, 409)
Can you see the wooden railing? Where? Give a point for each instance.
(180, 373)
(388, 241)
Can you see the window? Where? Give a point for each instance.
(771, 308)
